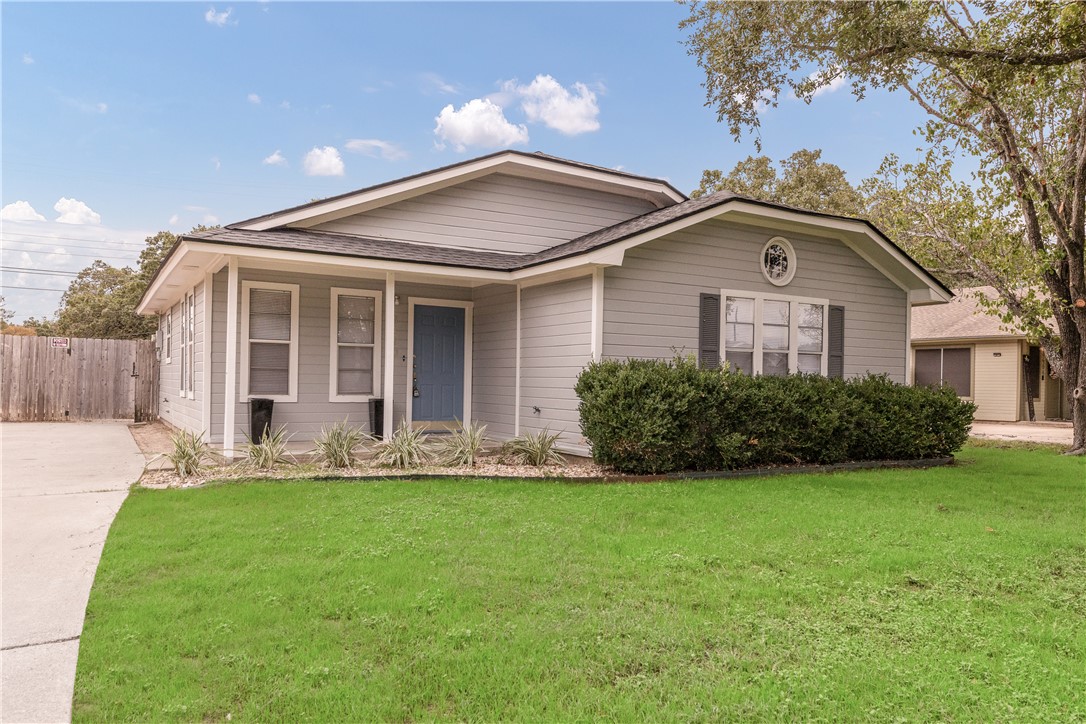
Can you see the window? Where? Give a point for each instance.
(774, 335)
(167, 335)
(188, 345)
(355, 353)
(778, 261)
(949, 365)
(270, 331)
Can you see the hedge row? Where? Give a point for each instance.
(651, 416)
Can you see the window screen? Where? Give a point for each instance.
(956, 370)
(950, 366)
(269, 342)
(356, 325)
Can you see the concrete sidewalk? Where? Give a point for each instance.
(1059, 433)
(62, 485)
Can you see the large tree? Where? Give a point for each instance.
(806, 182)
(101, 301)
(1002, 83)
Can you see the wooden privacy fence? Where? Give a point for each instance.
(93, 379)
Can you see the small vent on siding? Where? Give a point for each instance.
(709, 332)
(836, 365)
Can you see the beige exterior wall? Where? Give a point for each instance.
(997, 380)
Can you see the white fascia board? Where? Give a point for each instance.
(156, 293)
(518, 165)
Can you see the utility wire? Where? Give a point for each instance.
(32, 289)
(48, 272)
(72, 253)
(75, 238)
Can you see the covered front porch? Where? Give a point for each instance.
(325, 338)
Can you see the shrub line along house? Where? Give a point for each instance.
(479, 291)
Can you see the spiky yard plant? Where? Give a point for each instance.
(406, 448)
(461, 447)
(337, 447)
(269, 451)
(190, 452)
(534, 448)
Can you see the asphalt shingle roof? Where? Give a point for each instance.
(962, 318)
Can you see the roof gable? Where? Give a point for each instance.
(513, 163)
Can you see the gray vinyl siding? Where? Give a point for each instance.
(497, 213)
(182, 412)
(651, 301)
(494, 361)
(313, 410)
(556, 344)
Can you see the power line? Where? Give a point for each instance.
(75, 238)
(27, 270)
(8, 242)
(72, 253)
(33, 289)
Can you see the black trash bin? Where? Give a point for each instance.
(377, 418)
(260, 418)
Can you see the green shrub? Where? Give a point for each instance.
(406, 448)
(337, 447)
(269, 451)
(190, 453)
(461, 447)
(652, 416)
(533, 448)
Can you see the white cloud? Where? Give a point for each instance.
(432, 82)
(323, 162)
(174, 220)
(28, 59)
(219, 19)
(836, 83)
(20, 211)
(216, 162)
(210, 219)
(548, 101)
(375, 147)
(276, 159)
(85, 106)
(44, 245)
(761, 104)
(479, 122)
(253, 98)
(285, 105)
(75, 212)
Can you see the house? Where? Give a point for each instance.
(986, 361)
(478, 291)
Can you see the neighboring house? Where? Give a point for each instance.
(985, 360)
(481, 290)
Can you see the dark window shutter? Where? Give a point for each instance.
(836, 366)
(709, 332)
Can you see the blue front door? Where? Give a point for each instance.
(438, 372)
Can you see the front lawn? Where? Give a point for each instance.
(953, 593)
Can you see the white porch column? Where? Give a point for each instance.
(516, 384)
(388, 385)
(597, 314)
(231, 391)
(205, 388)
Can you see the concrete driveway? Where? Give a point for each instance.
(1059, 433)
(62, 485)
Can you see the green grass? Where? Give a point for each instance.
(953, 593)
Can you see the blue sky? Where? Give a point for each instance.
(123, 119)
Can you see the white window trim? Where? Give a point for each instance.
(294, 289)
(793, 327)
(469, 311)
(188, 346)
(790, 250)
(333, 343)
(167, 337)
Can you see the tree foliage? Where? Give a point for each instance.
(1002, 83)
(101, 301)
(806, 182)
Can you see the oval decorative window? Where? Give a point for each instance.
(778, 261)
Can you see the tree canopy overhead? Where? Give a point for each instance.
(807, 182)
(1002, 82)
